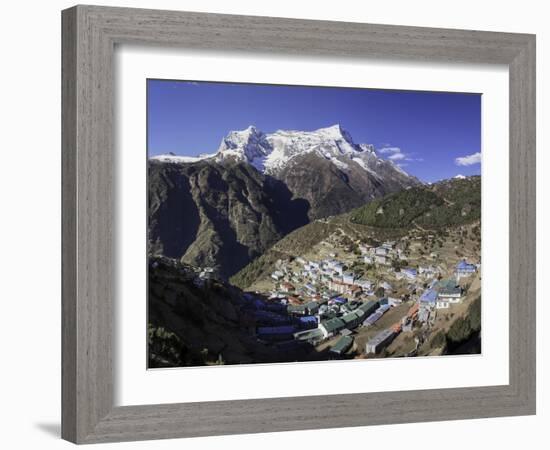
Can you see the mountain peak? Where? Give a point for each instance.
(271, 153)
(336, 128)
(335, 132)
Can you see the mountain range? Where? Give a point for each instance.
(224, 209)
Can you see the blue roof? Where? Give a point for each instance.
(287, 329)
(429, 296)
(463, 265)
(306, 319)
(411, 271)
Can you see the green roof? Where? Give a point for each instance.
(349, 318)
(368, 306)
(448, 287)
(342, 344)
(333, 324)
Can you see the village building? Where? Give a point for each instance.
(287, 287)
(338, 286)
(297, 310)
(308, 322)
(342, 345)
(277, 275)
(363, 283)
(449, 292)
(312, 307)
(364, 249)
(464, 269)
(424, 313)
(332, 326)
(313, 336)
(348, 278)
(428, 297)
(393, 301)
(380, 341)
(351, 320)
(410, 273)
(314, 264)
(381, 259)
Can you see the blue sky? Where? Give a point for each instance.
(431, 135)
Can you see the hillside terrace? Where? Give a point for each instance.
(340, 275)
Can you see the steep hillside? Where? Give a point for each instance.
(198, 322)
(443, 204)
(217, 216)
(397, 210)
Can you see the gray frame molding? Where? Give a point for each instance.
(89, 36)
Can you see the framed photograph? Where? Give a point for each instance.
(277, 224)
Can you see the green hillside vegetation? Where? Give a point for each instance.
(397, 210)
(444, 204)
(462, 204)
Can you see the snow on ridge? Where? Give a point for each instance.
(270, 153)
(179, 159)
(340, 164)
(365, 166)
(459, 177)
(398, 168)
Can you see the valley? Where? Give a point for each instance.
(399, 276)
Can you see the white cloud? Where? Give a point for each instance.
(396, 156)
(468, 160)
(386, 150)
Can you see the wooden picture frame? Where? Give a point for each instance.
(90, 34)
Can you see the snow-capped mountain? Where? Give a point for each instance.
(234, 204)
(270, 153)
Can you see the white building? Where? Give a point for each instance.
(348, 278)
(380, 259)
(277, 275)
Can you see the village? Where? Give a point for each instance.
(360, 300)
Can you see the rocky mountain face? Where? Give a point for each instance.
(219, 216)
(225, 209)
